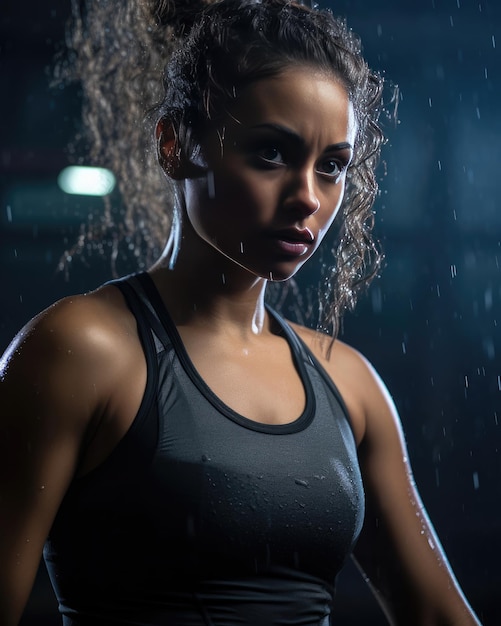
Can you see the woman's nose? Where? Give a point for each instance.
(302, 195)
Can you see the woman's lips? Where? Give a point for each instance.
(294, 241)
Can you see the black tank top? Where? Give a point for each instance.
(202, 517)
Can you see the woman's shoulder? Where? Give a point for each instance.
(77, 344)
(362, 389)
(83, 322)
(332, 354)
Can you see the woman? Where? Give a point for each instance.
(181, 453)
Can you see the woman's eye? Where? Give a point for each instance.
(330, 167)
(270, 154)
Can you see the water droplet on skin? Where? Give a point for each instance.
(42, 487)
(205, 458)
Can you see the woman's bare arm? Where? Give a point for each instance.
(55, 379)
(398, 549)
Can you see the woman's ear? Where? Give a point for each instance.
(169, 150)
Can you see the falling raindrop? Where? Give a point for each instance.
(211, 187)
(377, 300)
(488, 299)
(9, 213)
(476, 483)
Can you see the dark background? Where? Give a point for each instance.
(431, 323)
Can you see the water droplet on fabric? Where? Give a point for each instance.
(302, 482)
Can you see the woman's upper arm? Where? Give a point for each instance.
(48, 401)
(398, 549)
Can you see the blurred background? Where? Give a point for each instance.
(431, 324)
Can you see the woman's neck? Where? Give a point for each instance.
(204, 288)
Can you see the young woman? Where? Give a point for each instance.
(181, 453)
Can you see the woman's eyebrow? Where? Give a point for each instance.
(343, 145)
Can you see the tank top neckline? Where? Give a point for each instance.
(297, 352)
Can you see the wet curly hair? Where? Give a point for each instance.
(208, 51)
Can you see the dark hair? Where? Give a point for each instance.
(213, 49)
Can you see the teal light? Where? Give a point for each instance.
(86, 181)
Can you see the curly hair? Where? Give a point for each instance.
(210, 51)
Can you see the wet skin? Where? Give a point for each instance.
(275, 173)
(74, 378)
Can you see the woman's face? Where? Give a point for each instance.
(276, 173)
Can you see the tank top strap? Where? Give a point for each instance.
(140, 294)
(302, 351)
(296, 344)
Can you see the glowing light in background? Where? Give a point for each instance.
(86, 181)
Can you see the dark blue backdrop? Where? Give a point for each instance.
(430, 324)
